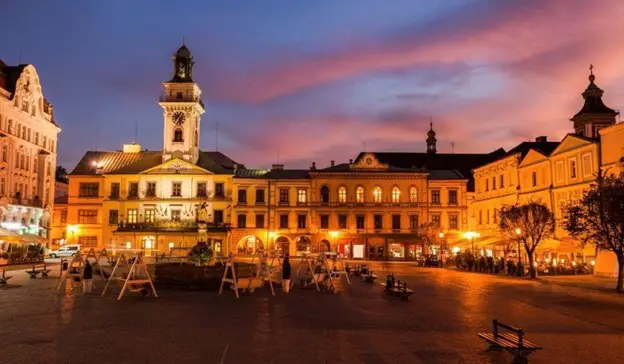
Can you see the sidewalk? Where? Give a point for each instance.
(582, 281)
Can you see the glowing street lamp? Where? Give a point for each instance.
(334, 234)
(472, 235)
(518, 232)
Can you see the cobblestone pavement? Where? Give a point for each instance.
(360, 324)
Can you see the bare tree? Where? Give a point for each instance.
(598, 219)
(61, 174)
(530, 223)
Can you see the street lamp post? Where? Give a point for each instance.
(333, 234)
(518, 232)
(472, 235)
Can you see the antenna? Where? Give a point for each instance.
(453, 147)
(136, 132)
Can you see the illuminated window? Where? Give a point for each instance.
(87, 216)
(150, 215)
(377, 194)
(396, 195)
(359, 194)
(132, 216)
(302, 196)
(176, 215)
(342, 194)
(413, 193)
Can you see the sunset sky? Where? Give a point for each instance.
(315, 80)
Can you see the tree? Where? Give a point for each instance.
(598, 219)
(530, 223)
(61, 174)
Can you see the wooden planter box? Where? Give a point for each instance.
(188, 276)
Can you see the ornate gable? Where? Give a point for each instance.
(369, 162)
(532, 157)
(28, 95)
(571, 141)
(176, 166)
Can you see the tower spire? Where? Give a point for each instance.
(594, 114)
(431, 139)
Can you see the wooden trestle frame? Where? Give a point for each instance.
(133, 281)
(263, 273)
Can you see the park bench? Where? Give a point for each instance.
(4, 278)
(34, 272)
(397, 288)
(512, 342)
(369, 277)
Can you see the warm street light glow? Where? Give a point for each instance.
(441, 235)
(471, 235)
(456, 250)
(555, 262)
(593, 262)
(72, 229)
(518, 231)
(333, 234)
(272, 234)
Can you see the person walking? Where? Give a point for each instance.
(87, 278)
(286, 275)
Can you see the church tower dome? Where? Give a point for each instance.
(595, 114)
(431, 140)
(183, 65)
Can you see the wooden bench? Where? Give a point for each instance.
(512, 342)
(398, 289)
(34, 272)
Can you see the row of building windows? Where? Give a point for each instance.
(149, 216)
(360, 221)
(91, 189)
(302, 195)
(494, 216)
(27, 134)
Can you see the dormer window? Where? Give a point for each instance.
(177, 135)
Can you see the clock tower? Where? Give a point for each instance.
(182, 110)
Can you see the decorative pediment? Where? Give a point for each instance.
(532, 157)
(570, 142)
(369, 161)
(176, 166)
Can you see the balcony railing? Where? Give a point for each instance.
(170, 226)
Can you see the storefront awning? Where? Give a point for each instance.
(7, 235)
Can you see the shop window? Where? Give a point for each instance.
(324, 221)
(360, 222)
(260, 221)
(397, 251)
(342, 221)
(359, 194)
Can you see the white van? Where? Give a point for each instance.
(65, 251)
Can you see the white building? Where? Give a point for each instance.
(28, 142)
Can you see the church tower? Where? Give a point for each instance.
(595, 114)
(182, 110)
(431, 140)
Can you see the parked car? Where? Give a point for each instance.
(65, 251)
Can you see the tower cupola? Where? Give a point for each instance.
(431, 140)
(595, 114)
(183, 65)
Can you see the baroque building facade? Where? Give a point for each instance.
(28, 150)
(553, 173)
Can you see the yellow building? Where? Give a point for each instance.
(379, 206)
(155, 200)
(553, 173)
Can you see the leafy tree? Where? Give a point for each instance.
(61, 174)
(598, 219)
(530, 223)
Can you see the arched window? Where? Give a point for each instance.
(324, 194)
(413, 194)
(377, 195)
(396, 195)
(177, 135)
(342, 194)
(359, 194)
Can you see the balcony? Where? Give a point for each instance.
(198, 198)
(170, 226)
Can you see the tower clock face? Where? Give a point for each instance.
(178, 118)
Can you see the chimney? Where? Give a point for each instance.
(332, 163)
(541, 139)
(350, 161)
(277, 167)
(313, 168)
